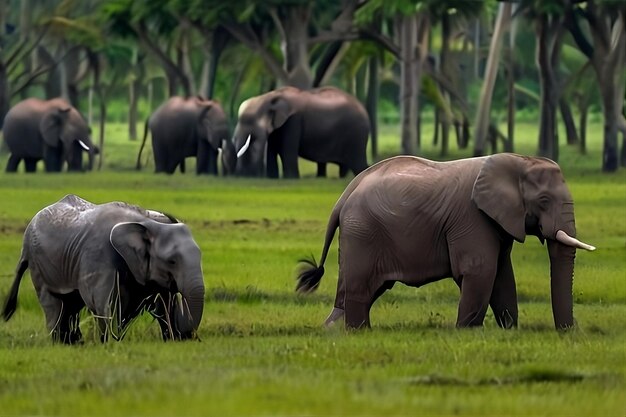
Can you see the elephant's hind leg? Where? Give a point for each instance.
(503, 299)
(62, 315)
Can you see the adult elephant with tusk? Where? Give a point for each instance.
(186, 127)
(115, 259)
(324, 125)
(51, 130)
(417, 221)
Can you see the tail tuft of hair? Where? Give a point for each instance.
(309, 275)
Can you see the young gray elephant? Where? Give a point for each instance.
(117, 260)
(417, 221)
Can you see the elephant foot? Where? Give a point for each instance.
(334, 315)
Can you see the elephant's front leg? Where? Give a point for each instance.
(474, 269)
(289, 147)
(272, 161)
(100, 291)
(13, 163)
(503, 299)
(321, 169)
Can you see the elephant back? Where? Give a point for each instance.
(21, 128)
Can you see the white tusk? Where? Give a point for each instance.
(83, 145)
(566, 239)
(245, 147)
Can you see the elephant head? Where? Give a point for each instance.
(258, 118)
(529, 196)
(166, 256)
(66, 135)
(212, 126)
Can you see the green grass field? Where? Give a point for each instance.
(263, 350)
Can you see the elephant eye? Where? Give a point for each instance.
(544, 201)
(171, 261)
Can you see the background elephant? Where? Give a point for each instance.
(115, 259)
(51, 130)
(322, 125)
(183, 127)
(416, 221)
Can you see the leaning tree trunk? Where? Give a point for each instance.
(483, 114)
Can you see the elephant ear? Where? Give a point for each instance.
(204, 124)
(498, 193)
(51, 125)
(280, 110)
(210, 131)
(131, 241)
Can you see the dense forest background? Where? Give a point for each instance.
(470, 67)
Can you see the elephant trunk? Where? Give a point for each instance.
(189, 314)
(562, 276)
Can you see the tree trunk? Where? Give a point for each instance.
(568, 120)
(491, 71)
(607, 56)
(219, 42)
(444, 117)
(4, 93)
(548, 46)
(133, 92)
(372, 105)
(509, 144)
(436, 124)
(408, 83)
(185, 62)
(583, 128)
(294, 46)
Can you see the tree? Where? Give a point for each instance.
(483, 114)
(163, 34)
(604, 22)
(547, 17)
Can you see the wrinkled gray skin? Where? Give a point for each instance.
(416, 221)
(322, 125)
(115, 259)
(186, 127)
(37, 129)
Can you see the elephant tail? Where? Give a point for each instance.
(143, 143)
(310, 273)
(10, 304)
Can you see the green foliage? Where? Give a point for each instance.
(263, 350)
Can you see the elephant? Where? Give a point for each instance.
(417, 221)
(51, 130)
(115, 259)
(183, 127)
(322, 125)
